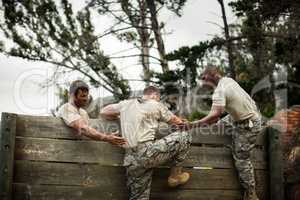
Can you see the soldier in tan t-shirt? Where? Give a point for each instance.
(77, 118)
(230, 97)
(139, 121)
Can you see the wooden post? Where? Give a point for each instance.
(7, 144)
(275, 164)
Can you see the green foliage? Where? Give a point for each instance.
(51, 32)
(173, 5)
(265, 38)
(268, 110)
(190, 58)
(196, 115)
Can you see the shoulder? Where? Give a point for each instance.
(83, 111)
(63, 107)
(159, 105)
(127, 102)
(227, 80)
(225, 84)
(66, 109)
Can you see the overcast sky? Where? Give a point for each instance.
(21, 93)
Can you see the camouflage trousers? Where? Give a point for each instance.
(140, 161)
(244, 137)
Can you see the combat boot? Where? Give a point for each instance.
(250, 194)
(177, 177)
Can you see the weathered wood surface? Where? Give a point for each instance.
(52, 162)
(85, 176)
(87, 151)
(77, 174)
(43, 127)
(51, 192)
(7, 144)
(276, 165)
(45, 192)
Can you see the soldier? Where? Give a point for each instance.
(230, 97)
(139, 122)
(77, 118)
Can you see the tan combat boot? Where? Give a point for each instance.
(250, 195)
(177, 177)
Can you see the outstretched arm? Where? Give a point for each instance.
(212, 117)
(175, 120)
(83, 128)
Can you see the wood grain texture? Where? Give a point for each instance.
(87, 151)
(7, 144)
(41, 173)
(51, 127)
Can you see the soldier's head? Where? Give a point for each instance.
(79, 93)
(211, 76)
(151, 92)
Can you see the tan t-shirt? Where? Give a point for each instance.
(140, 119)
(236, 101)
(69, 113)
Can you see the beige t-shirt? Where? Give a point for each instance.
(235, 100)
(69, 113)
(140, 119)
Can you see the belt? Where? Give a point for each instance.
(247, 122)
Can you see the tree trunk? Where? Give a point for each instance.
(158, 36)
(228, 42)
(144, 37)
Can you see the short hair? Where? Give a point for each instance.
(150, 90)
(76, 85)
(212, 70)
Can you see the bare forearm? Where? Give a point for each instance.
(210, 119)
(93, 134)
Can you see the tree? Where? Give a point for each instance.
(136, 21)
(40, 31)
(228, 42)
(271, 28)
(264, 39)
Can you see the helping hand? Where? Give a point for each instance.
(115, 139)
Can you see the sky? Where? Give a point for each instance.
(20, 80)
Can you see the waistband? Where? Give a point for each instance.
(247, 123)
(252, 118)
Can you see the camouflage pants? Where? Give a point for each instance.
(243, 141)
(141, 160)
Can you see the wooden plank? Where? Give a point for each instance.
(7, 144)
(68, 151)
(108, 155)
(276, 165)
(41, 173)
(51, 127)
(50, 192)
(45, 192)
(53, 192)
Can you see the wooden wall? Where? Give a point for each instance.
(52, 163)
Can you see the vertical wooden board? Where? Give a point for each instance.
(7, 144)
(275, 165)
